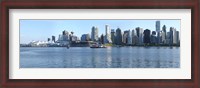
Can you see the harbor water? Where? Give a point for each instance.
(111, 57)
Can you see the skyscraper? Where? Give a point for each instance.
(107, 35)
(163, 35)
(48, 39)
(129, 38)
(171, 36)
(113, 36)
(65, 32)
(53, 38)
(168, 38)
(65, 36)
(102, 39)
(94, 34)
(178, 39)
(139, 32)
(133, 39)
(125, 37)
(147, 36)
(163, 38)
(85, 37)
(118, 37)
(153, 37)
(175, 41)
(164, 30)
(74, 38)
(59, 37)
(158, 31)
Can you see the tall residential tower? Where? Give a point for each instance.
(158, 31)
(94, 34)
(107, 35)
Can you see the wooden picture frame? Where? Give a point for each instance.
(100, 4)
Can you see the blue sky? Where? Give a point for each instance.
(42, 29)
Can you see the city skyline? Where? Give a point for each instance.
(40, 30)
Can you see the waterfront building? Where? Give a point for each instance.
(163, 38)
(139, 32)
(53, 39)
(64, 39)
(163, 35)
(129, 39)
(178, 38)
(107, 35)
(48, 39)
(164, 28)
(85, 37)
(94, 34)
(59, 37)
(74, 38)
(118, 37)
(175, 41)
(147, 36)
(133, 35)
(65, 32)
(171, 36)
(65, 36)
(38, 44)
(125, 37)
(168, 38)
(153, 38)
(158, 31)
(102, 39)
(113, 36)
(135, 40)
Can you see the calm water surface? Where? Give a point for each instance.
(112, 57)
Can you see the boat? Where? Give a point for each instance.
(97, 46)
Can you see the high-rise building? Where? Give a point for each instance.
(53, 38)
(118, 38)
(163, 38)
(139, 32)
(129, 38)
(102, 39)
(135, 40)
(59, 37)
(178, 39)
(158, 31)
(125, 37)
(65, 36)
(174, 36)
(107, 35)
(153, 38)
(113, 36)
(85, 37)
(163, 35)
(65, 32)
(164, 30)
(133, 35)
(74, 38)
(168, 38)
(48, 39)
(171, 36)
(157, 26)
(94, 34)
(147, 36)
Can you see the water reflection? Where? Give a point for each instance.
(85, 57)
